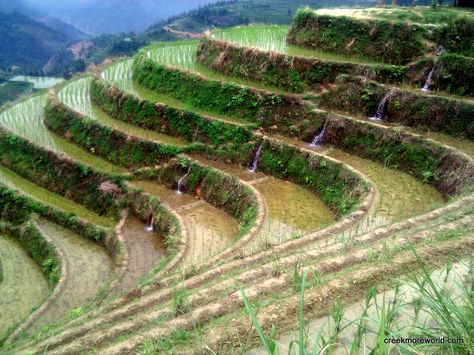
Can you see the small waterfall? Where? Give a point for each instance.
(380, 114)
(181, 181)
(149, 228)
(429, 80)
(253, 167)
(319, 139)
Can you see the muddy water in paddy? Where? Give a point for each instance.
(292, 211)
(170, 197)
(241, 172)
(145, 250)
(23, 287)
(209, 229)
(89, 269)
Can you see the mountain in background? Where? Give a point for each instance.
(113, 16)
(27, 43)
(40, 35)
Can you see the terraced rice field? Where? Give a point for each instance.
(26, 120)
(23, 287)
(170, 272)
(272, 38)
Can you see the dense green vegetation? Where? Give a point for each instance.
(27, 43)
(293, 73)
(393, 42)
(397, 42)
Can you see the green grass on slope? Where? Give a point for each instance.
(26, 187)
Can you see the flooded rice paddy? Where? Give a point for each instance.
(145, 250)
(76, 95)
(399, 195)
(209, 229)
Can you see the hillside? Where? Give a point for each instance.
(27, 43)
(235, 12)
(111, 16)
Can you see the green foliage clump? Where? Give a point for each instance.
(459, 36)
(77, 181)
(455, 74)
(338, 188)
(16, 209)
(40, 250)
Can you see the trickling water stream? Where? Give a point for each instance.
(318, 139)
(382, 108)
(181, 180)
(429, 80)
(253, 167)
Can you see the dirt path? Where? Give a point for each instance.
(185, 34)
